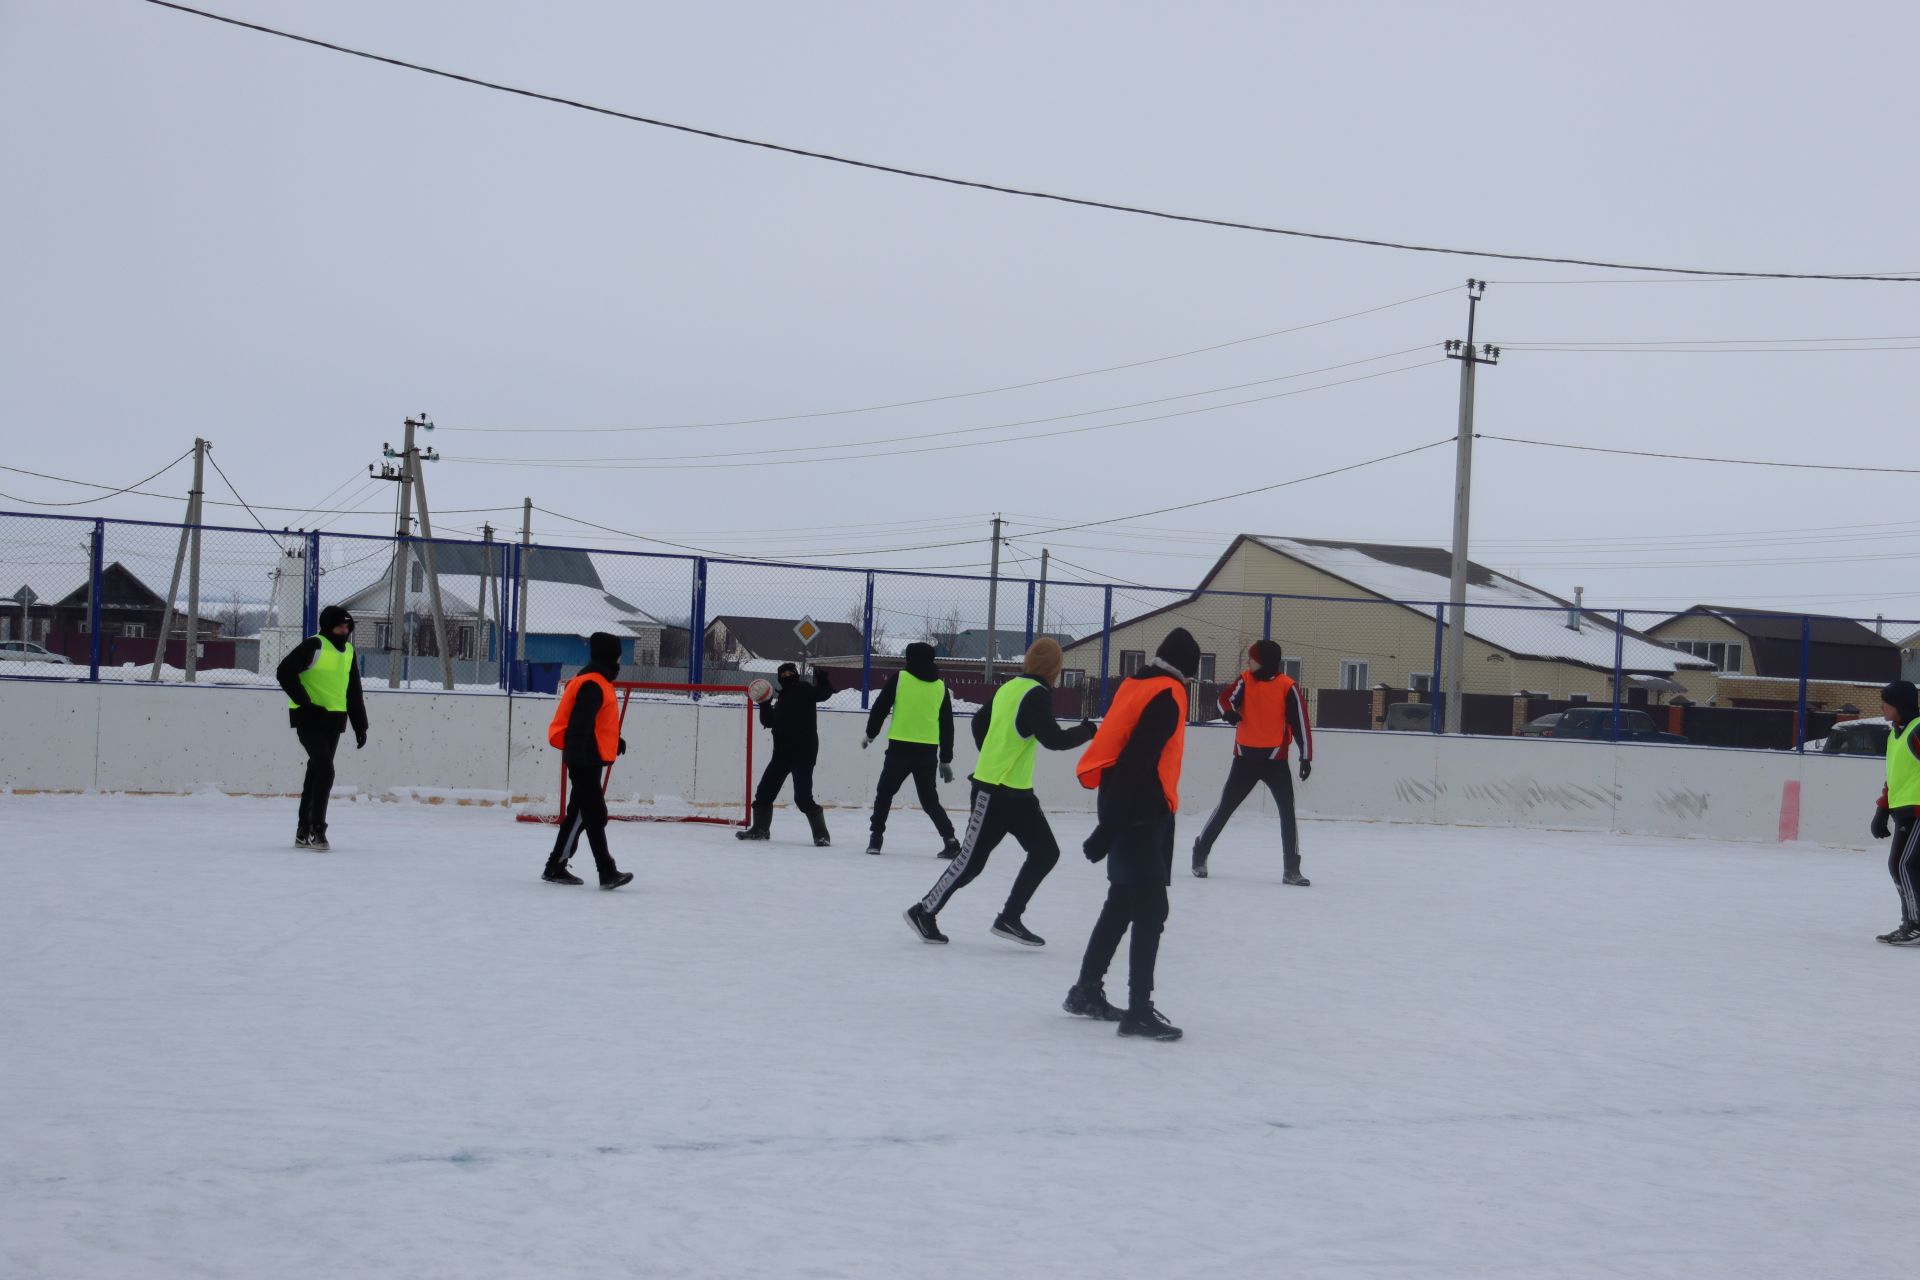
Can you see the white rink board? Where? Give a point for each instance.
(168, 739)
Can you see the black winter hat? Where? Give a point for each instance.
(1181, 652)
(1903, 698)
(1266, 656)
(604, 649)
(332, 616)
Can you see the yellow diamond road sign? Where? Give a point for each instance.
(807, 629)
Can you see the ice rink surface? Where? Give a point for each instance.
(1461, 1053)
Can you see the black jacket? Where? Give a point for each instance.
(921, 666)
(1130, 791)
(581, 745)
(303, 714)
(793, 713)
(1034, 719)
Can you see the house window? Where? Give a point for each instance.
(419, 577)
(1290, 668)
(1420, 682)
(1131, 660)
(1071, 678)
(1206, 667)
(1353, 673)
(134, 630)
(1725, 656)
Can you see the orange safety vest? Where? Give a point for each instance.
(1117, 728)
(1263, 712)
(606, 724)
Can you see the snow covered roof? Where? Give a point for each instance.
(553, 608)
(1532, 623)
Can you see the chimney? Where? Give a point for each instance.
(1573, 614)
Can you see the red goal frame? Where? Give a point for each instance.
(626, 689)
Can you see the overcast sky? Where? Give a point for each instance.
(287, 251)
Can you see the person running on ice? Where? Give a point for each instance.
(1268, 715)
(586, 728)
(792, 714)
(919, 742)
(323, 696)
(1135, 763)
(1009, 732)
(1898, 813)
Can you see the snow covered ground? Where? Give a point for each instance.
(1462, 1053)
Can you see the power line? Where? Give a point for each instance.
(1698, 351)
(549, 460)
(926, 176)
(587, 464)
(960, 395)
(236, 494)
(1694, 457)
(81, 502)
(1700, 342)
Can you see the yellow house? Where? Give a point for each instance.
(1353, 615)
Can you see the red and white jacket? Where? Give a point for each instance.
(1270, 715)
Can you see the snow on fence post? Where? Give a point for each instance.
(866, 648)
(1619, 665)
(1438, 721)
(1806, 665)
(93, 600)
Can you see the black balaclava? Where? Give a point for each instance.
(1266, 658)
(603, 652)
(1181, 652)
(1903, 698)
(788, 675)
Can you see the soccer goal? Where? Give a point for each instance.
(700, 753)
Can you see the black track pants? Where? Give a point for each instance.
(1246, 773)
(998, 813)
(921, 762)
(1141, 906)
(1903, 863)
(785, 764)
(320, 744)
(586, 815)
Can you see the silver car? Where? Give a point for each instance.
(27, 651)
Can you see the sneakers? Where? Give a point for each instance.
(614, 881)
(1888, 936)
(1089, 1002)
(921, 921)
(874, 842)
(301, 840)
(1009, 927)
(1149, 1024)
(951, 849)
(1907, 937)
(1199, 866)
(318, 842)
(1295, 878)
(560, 875)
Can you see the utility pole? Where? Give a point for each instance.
(408, 475)
(520, 591)
(993, 603)
(1456, 645)
(426, 532)
(482, 650)
(197, 502)
(189, 536)
(1045, 555)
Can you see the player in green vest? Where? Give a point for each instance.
(1898, 814)
(919, 742)
(1009, 732)
(322, 682)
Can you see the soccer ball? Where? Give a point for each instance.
(759, 690)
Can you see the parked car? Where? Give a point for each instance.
(1541, 726)
(1866, 737)
(26, 651)
(1409, 717)
(1596, 723)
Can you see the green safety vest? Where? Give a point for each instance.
(916, 710)
(1006, 758)
(326, 680)
(1903, 771)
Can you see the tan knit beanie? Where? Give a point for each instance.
(1043, 659)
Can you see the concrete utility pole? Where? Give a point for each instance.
(1456, 639)
(403, 530)
(433, 571)
(189, 537)
(993, 603)
(1045, 555)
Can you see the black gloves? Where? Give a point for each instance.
(1097, 844)
(359, 739)
(1306, 770)
(1231, 717)
(946, 771)
(623, 746)
(1880, 828)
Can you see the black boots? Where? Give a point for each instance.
(817, 819)
(762, 824)
(951, 849)
(1089, 1002)
(557, 873)
(1149, 1024)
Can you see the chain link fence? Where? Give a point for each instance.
(96, 599)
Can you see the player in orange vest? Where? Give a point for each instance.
(1269, 714)
(586, 728)
(1134, 760)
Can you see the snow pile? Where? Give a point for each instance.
(1599, 1057)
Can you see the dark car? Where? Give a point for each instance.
(1854, 738)
(1596, 724)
